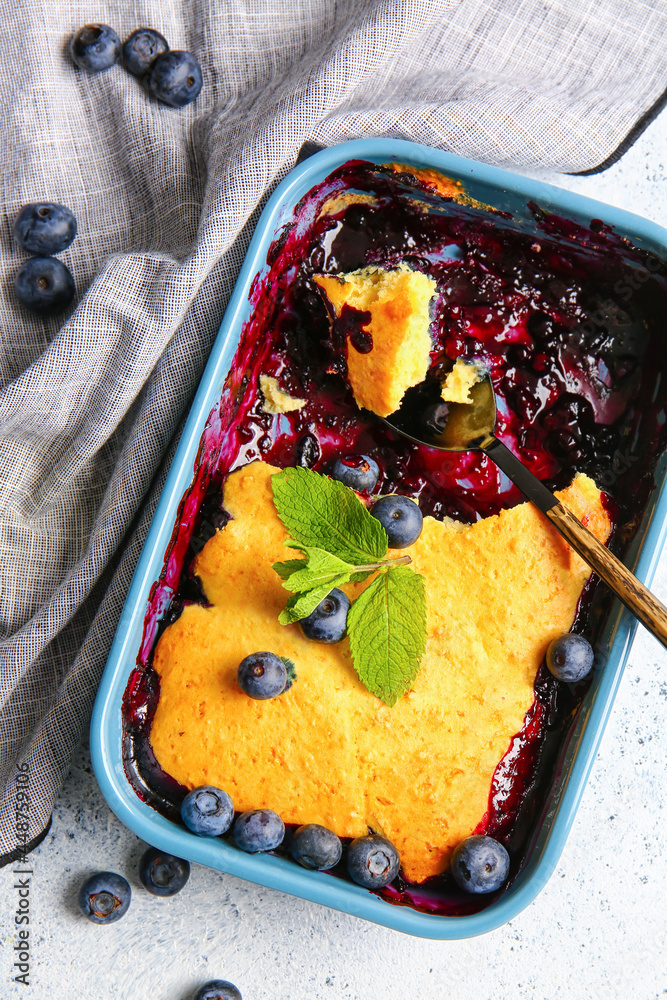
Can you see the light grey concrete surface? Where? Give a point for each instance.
(598, 929)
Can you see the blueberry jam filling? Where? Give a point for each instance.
(307, 452)
(351, 323)
(567, 319)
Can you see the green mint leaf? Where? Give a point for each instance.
(342, 542)
(285, 569)
(322, 513)
(300, 605)
(386, 626)
(361, 575)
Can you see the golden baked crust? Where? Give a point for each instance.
(276, 400)
(445, 186)
(339, 202)
(458, 383)
(327, 751)
(399, 305)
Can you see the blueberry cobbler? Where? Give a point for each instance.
(362, 653)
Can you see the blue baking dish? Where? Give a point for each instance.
(504, 191)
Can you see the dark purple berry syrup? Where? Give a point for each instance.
(350, 324)
(569, 320)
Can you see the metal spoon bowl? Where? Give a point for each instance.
(426, 418)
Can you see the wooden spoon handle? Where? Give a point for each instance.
(618, 577)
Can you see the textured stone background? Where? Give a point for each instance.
(598, 929)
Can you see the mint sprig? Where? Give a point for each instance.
(316, 570)
(343, 543)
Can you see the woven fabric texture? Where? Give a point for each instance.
(91, 401)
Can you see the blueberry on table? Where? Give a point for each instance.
(570, 657)
(400, 517)
(359, 472)
(44, 228)
(262, 675)
(44, 285)
(104, 897)
(95, 47)
(327, 623)
(141, 49)
(163, 874)
(259, 830)
(175, 78)
(217, 989)
(207, 811)
(480, 864)
(314, 846)
(372, 861)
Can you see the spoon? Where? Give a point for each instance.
(426, 418)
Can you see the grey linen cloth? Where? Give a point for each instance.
(91, 402)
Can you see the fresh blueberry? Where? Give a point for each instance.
(400, 517)
(44, 228)
(207, 811)
(372, 861)
(44, 285)
(262, 675)
(328, 621)
(259, 830)
(95, 47)
(570, 657)
(104, 897)
(314, 846)
(217, 989)
(163, 874)
(175, 79)
(359, 472)
(480, 864)
(141, 50)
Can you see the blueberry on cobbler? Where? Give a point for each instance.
(104, 897)
(258, 830)
(400, 517)
(262, 675)
(570, 657)
(359, 472)
(163, 874)
(327, 623)
(372, 861)
(314, 846)
(480, 864)
(207, 811)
